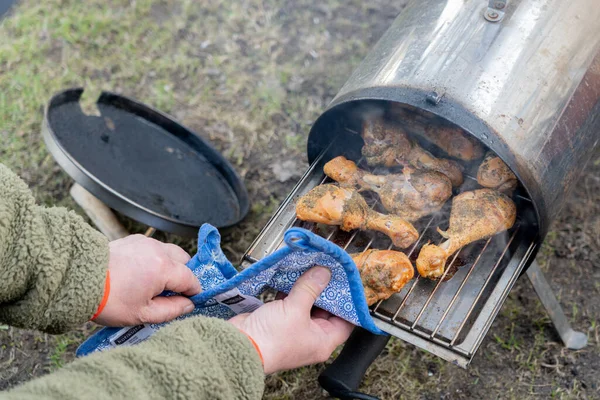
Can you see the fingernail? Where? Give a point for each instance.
(320, 275)
(188, 309)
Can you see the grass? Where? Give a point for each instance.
(511, 343)
(548, 249)
(251, 76)
(54, 45)
(57, 357)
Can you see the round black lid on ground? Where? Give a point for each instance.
(144, 164)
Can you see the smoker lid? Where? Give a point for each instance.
(143, 163)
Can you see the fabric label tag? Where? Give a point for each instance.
(237, 302)
(131, 335)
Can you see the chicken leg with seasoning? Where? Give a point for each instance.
(333, 205)
(411, 195)
(452, 140)
(494, 173)
(388, 144)
(383, 273)
(475, 215)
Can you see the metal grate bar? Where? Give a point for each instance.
(368, 246)
(522, 262)
(412, 250)
(435, 289)
(448, 318)
(331, 234)
(351, 239)
(462, 284)
(491, 274)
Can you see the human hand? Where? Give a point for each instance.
(287, 333)
(140, 269)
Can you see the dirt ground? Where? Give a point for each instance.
(251, 76)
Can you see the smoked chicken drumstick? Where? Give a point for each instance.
(475, 215)
(452, 140)
(333, 205)
(387, 144)
(411, 195)
(494, 174)
(383, 273)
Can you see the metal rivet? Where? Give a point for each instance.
(499, 5)
(492, 15)
(434, 98)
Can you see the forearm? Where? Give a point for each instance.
(52, 264)
(198, 358)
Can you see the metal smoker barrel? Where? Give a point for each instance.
(526, 83)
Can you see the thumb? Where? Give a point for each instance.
(162, 309)
(308, 288)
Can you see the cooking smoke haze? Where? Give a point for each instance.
(349, 143)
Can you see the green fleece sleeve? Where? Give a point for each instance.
(197, 358)
(52, 264)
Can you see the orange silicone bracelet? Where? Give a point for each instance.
(105, 297)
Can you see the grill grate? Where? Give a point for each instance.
(448, 317)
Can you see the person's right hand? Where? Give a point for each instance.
(140, 269)
(289, 333)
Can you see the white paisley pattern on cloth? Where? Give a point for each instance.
(214, 271)
(336, 298)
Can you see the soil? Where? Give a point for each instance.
(258, 75)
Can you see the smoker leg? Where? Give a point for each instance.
(150, 232)
(572, 339)
(99, 213)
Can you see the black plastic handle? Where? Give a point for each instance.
(342, 378)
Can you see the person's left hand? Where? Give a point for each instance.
(291, 333)
(140, 269)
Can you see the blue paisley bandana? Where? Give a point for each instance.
(227, 292)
